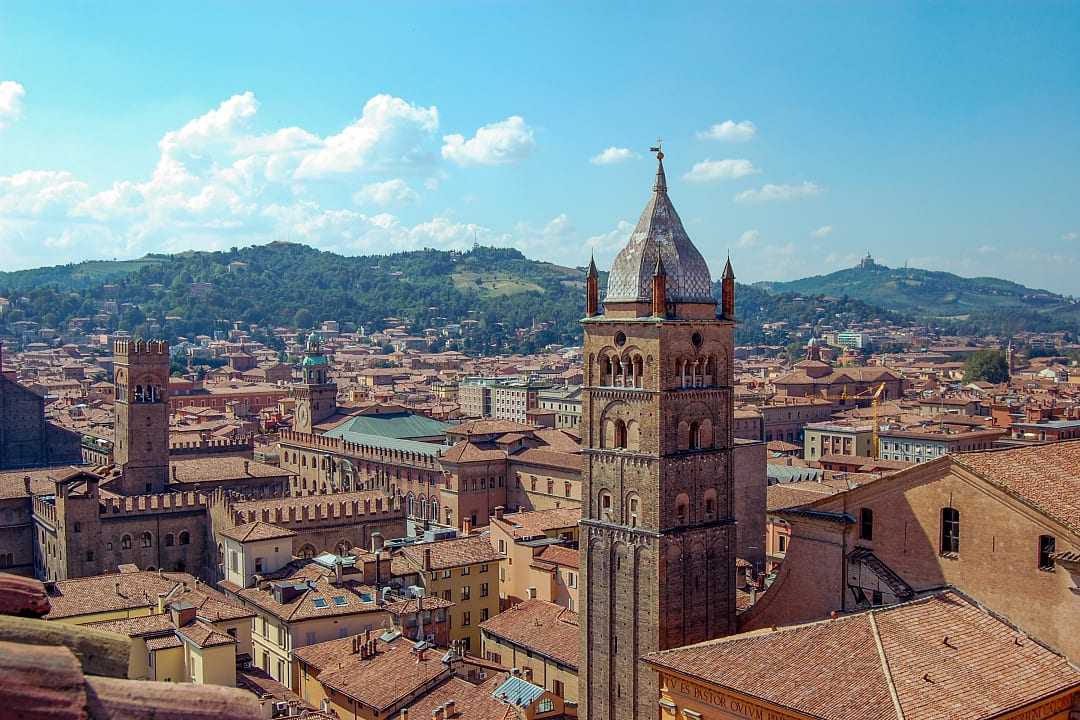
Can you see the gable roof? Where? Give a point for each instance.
(543, 627)
(255, 531)
(1046, 477)
(941, 657)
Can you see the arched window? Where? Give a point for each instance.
(146, 540)
(710, 504)
(683, 435)
(125, 542)
(694, 439)
(682, 508)
(307, 551)
(866, 524)
(138, 394)
(604, 501)
(950, 531)
(620, 434)
(639, 371)
(343, 547)
(185, 538)
(435, 509)
(705, 433)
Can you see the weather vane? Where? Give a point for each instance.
(658, 148)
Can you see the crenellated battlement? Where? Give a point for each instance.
(135, 348)
(317, 510)
(213, 446)
(45, 509)
(359, 450)
(151, 504)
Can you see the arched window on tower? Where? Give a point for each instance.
(138, 394)
(633, 509)
(620, 434)
(633, 435)
(710, 504)
(639, 371)
(185, 538)
(694, 438)
(682, 509)
(125, 542)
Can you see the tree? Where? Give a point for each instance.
(988, 365)
(303, 319)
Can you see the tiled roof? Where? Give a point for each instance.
(788, 495)
(316, 599)
(471, 702)
(560, 555)
(538, 522)
(192, 470)
(453, 553)
(12, 484)
(380, 681)
(403, 607)
(137, 626)
(163, 642)
(488, 427)
(1045, 476)
(104, 593)
(204, 635)
(255, 531)
(545, 628)
(944, 656)
(469, 451)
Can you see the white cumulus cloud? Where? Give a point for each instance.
(822, 232)
(750, 238)
(390, 192)
(712, 170)
(612, 155)
(730, 131)
(770, 192)
(11, 101)
(499, 143)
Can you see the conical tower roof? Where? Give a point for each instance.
(659, 232)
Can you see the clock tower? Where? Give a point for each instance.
(657, 527)
(316, 396)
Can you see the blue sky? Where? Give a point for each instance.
(797, 135)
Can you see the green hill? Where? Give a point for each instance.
(980, 304)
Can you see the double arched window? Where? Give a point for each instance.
(185, 538)
(146, 540)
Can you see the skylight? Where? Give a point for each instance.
(339, 600)
(320, 603)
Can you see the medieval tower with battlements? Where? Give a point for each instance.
(657, 528)
(141, 447)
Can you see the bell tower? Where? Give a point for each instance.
(141, 434)
(657, 527)
(316, 396)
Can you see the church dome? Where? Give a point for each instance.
(659, 230)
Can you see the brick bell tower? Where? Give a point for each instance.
(316, 396)
(657, 527)
(141, 435)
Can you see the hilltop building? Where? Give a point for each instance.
(657, 529)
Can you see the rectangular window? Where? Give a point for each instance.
(466, 619)
(484, 568)
(466, 592)
(483, 589)
(950, 531)
(466, 570)
(233, 560)
(866, 524)
(1047, 547)
(483, 614)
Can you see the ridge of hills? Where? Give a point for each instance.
(520, 304)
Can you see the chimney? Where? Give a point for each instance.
(466, 526)
(427, 560)
(116, 586)
(337, 571)
(161, 603)
(404, 714)
(26, 484)
(247, 467)
(355, 646)
(499, 512)
(172, 468)
(450, 706)
(438, 713)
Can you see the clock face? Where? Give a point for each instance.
(301, 415)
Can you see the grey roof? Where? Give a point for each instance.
(388, 443)
(688, 278)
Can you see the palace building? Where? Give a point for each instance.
(657, 530)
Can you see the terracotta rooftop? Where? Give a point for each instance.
(315, 597)
(203, 635)
(453, 553)
(1045, 476)
(192, 470)
(549, 458)
(469, 451)
(943, 657)
(538, 522)
(380, 681)
(488, 427)
(542, 627)
(788, 495)
(130, 590)
(471, 702)
(560, 555)
(255, 531)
